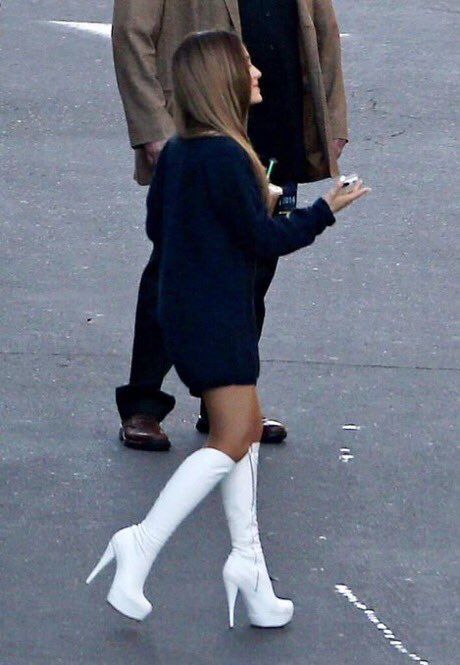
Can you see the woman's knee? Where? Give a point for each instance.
(235, 419)
(240, 430)
(236, 449)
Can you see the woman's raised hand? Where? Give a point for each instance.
(338, 198)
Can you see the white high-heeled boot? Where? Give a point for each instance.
(245, 569)
(136, 548)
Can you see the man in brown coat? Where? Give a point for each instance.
(302, 123)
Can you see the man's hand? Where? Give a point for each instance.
(338, 145)
(152, 151)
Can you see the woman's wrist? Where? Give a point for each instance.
(326, 208)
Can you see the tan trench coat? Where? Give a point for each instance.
(146, 33)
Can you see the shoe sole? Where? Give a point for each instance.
(121, 614)
(256, 627)
(149, 447)
(275, 438)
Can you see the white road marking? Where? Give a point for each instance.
(101, 29)
(105, 29)
(345, 591)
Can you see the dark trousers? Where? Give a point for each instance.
(150, 363)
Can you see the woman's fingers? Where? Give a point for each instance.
(357, 191)
(360, 191)
(338, 199)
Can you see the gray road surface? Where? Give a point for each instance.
(361, 330)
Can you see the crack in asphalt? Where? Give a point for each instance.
(362, 365)
(445, 10)
(281, 361)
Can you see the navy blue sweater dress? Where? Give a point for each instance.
(209, 225)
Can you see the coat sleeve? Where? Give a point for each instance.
(135, 30)
(330, 56)
(236, 199)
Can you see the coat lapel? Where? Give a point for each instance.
(234, 11)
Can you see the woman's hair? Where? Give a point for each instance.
(212, 91)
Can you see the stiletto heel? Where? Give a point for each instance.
(104, 561)
(232, 591)
(245, 570)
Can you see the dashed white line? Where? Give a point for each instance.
(373, 618)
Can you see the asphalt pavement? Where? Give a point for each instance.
(359, 509)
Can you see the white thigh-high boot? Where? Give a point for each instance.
(245, 569)
(135, 548)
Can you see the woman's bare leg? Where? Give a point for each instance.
(136, 548)
(236, 426)
(235, 419)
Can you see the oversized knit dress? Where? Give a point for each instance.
(209, 225)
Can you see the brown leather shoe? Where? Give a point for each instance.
(273, 431)
(143, 432)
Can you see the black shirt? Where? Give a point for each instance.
(271, 35)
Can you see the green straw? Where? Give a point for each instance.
(271, 166)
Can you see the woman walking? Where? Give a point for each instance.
(209, 217)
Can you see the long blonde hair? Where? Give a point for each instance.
(212, 91)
